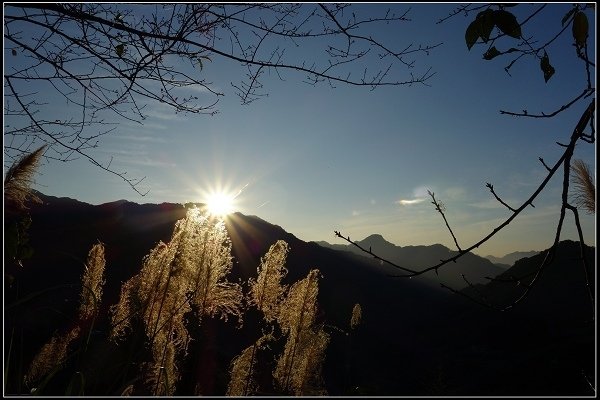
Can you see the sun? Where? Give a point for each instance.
(220, 204)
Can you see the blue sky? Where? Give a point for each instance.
(313, 159)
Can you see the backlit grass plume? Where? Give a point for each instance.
(243, 368)
(298, 369)
(54, 353)
(51, 356)
(356, 316)
(585, 188)
(266, 293)
(19, 178)
(92, 282)
(187, 274)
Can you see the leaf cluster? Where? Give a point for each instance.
(508, 25)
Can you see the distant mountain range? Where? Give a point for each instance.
(509, 259)
(475, 268)
(416, 338)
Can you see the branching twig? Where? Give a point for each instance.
(107, 61)
(440, 208)
(585, 93)
(491, 187)
(564, 160)
(582, 255)
(338, 234)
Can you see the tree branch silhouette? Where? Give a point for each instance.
(578, 21)
(565, 161)
(111, 60)
(586, 93)
(441, 208)
(491, 187)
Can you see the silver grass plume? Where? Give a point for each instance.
(356, 316)
(304, 351)
(51, 355)
(266, 293)
(19, 178)
(585, 188)
(54, 353)
(187, 274)
(92, 282)
(308, 378)
(212, 294)
(242, 382)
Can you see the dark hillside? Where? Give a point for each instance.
(415, 338)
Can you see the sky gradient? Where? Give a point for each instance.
(316, 159)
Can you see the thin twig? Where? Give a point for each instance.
(491, 187)
(562, 108)
(565, 161)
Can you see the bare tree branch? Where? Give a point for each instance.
(114, 59)
(526, 47)
(564, 160)
(491, 187)
(562, 108)
(440, 208)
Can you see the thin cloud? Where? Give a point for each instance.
(490, 204)
(264, 204)
(139, 157)
(419, 195)
(455, 193)
(203, 89)
(147, 162)
(405, 202)
(142, 138)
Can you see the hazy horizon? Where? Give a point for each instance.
(338, 241)
(316, 159)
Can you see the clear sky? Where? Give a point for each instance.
(314, 159)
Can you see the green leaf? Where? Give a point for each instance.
(568, 15)
(120, 49)
(507, 23)
(491, 53)
(580, 28)
(472, 34)
(546, 67)
(485, 20)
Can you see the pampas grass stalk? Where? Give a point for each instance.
(187, 274)
(298, 368)
(266, 293)
(355, 321)
(243, 382)
(356, 316)
(585, 188)
(54, 353)
(51, 355)
(92, 282)
(19, 178)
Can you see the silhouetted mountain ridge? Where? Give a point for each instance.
(415, 339)
(474, 267)
(561, 295)
(511, 258)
